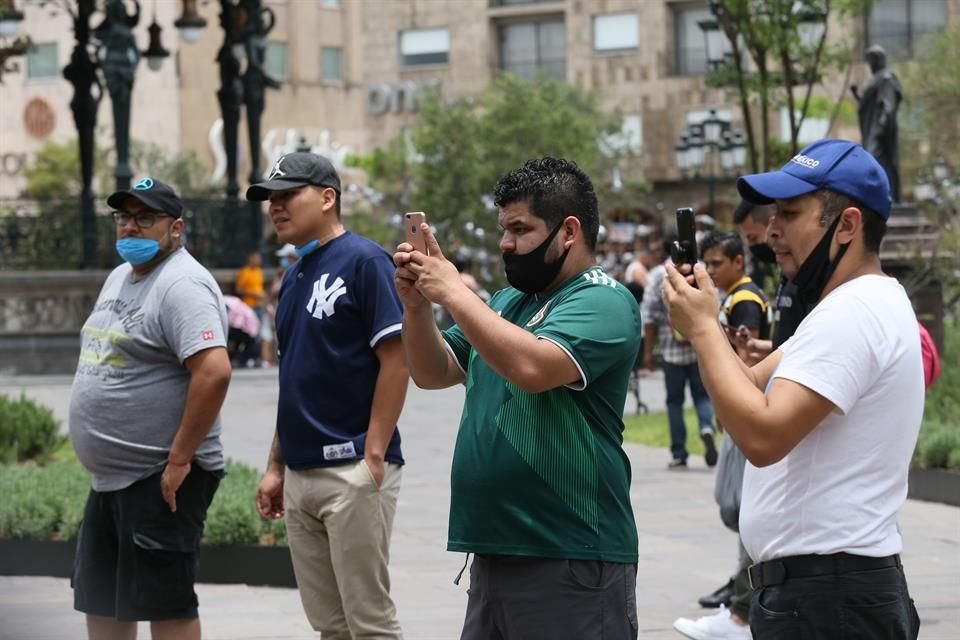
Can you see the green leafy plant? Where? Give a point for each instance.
(28, 431)
(232, 517)
(47, 502)
(42, 502)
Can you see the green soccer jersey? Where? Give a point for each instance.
(545, 474)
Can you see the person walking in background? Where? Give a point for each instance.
(829, 421)
(248, 284)
(244, 332)
(335, 464)
(743, 311)
(144, 421)
(679, 362)
(540, 484)
(286, 256)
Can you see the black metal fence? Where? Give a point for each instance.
(47, 234)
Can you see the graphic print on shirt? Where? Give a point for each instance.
(323, 298)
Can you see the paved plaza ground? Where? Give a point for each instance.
(684, 550)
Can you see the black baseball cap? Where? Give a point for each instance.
(154, 194)
(296, 170)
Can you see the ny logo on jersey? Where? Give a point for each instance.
(323, 298)
(276, 171)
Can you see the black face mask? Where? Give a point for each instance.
(816, 270)
(763, 253)
(529, 272)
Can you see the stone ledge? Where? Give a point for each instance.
(935, 485)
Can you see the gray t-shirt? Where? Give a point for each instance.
(130, 387)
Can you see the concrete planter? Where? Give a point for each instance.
(234, 564)
(935, 485)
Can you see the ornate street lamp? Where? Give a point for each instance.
(155, 53)
(190, 23)
(114, 64)
(716, 44)
(245, 25)
(705, 144)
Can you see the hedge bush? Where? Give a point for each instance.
(28, 431)
(938, 446)
(42, 502)
(46, 503)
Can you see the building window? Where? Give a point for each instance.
(332, 59)
(42, 61)
(329, 3)
(690, 52)
(275, 60)
(616, 32)
(898, 25)
(424, 46)
(527, 48)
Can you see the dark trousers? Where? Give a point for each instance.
(675, 378)
(861, 605)
(515, 598)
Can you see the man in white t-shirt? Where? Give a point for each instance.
(828, 422)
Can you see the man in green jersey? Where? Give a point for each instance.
(540, 482)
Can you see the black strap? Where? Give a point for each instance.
(456, 580)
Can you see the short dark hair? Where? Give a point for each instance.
(729, 243)
(746, 209)
(833, 204)
(553, 188)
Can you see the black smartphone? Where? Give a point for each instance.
(684, 250)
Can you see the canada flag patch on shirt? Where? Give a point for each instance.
(207, 335)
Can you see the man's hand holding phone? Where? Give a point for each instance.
(404, 279)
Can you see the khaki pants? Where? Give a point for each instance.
(339, 525)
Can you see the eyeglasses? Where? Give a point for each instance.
(144, 219)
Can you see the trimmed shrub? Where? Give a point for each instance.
(938, 446)
(44, 503)
(28, 431)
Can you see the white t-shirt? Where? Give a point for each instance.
(841, 487)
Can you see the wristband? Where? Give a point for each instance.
(170, 461)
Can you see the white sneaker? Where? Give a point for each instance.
(719, 626)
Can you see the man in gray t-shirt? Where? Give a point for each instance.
(144, 421)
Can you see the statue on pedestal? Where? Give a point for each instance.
(878, 116)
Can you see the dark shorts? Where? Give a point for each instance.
(515, 598)
(136, 560)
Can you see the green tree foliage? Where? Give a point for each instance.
(55, 171)
(449, 161)
(931, 87)
(771, 66)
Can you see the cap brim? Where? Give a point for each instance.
(116, 199)
(765, 188)
(260, 192)
(145, 198)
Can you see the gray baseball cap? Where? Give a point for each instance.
(296, 170)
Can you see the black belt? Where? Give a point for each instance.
(774, 572)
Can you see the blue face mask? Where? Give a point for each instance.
(137, 251)
(307, 248)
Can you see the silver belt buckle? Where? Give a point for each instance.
(750, 576)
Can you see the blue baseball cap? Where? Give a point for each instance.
(837, 165)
